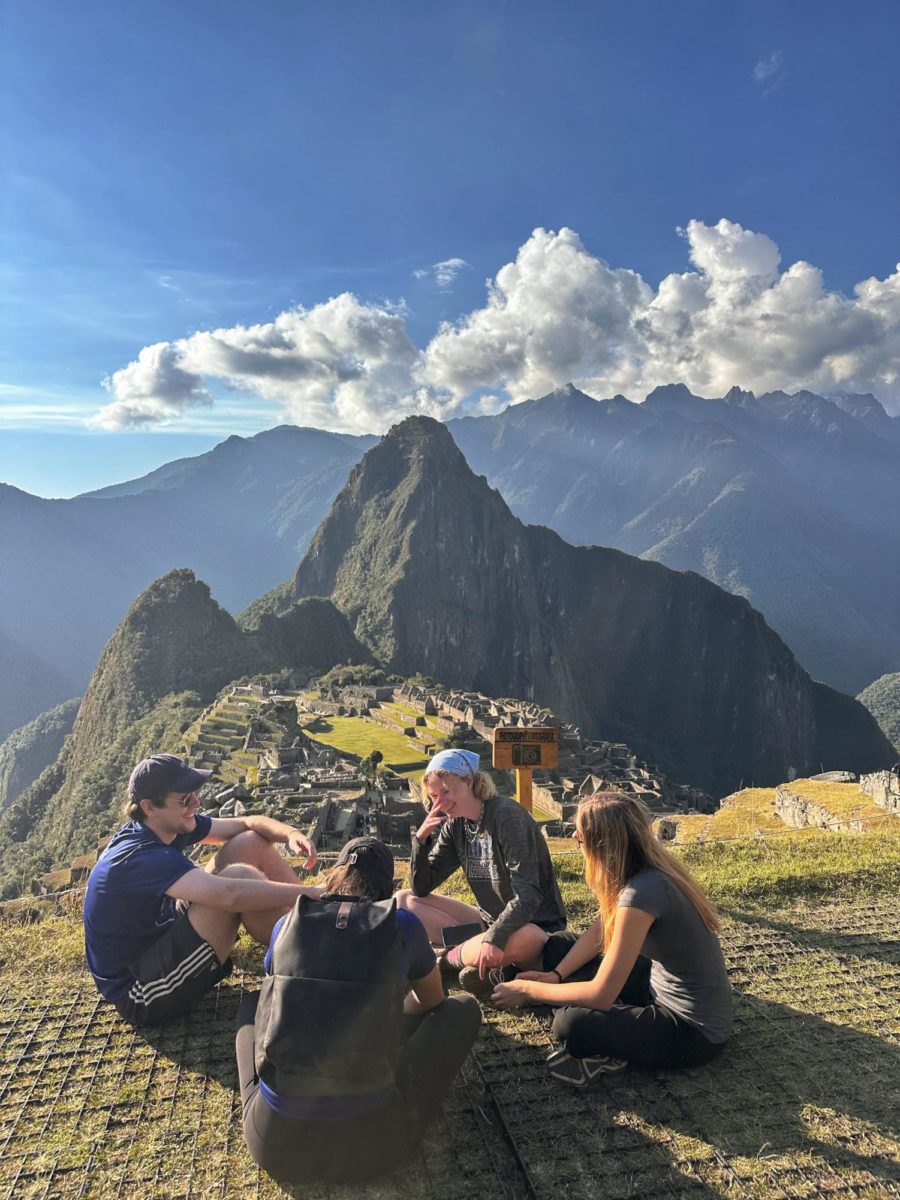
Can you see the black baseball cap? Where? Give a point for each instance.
(162, 773)
(371, 858)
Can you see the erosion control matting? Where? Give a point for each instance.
(805, 1102)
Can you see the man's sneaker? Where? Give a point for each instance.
(580, 1072)
(482, 989)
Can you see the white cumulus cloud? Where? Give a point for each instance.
(342, 364)
(557, 313)
(548, 314)
(153, 389)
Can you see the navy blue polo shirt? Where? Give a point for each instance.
(126, 907)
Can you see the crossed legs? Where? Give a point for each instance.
(437, 913)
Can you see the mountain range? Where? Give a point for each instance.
(421, 566)
(790, 501)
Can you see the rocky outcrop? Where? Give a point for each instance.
(436, 576)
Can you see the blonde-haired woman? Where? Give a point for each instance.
(651, 906)
(506, 862)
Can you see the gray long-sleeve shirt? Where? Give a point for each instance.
(507, 865)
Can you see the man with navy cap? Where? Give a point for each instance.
(158, 931)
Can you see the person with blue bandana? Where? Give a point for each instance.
(506, 863)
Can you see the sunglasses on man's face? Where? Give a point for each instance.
(188, 800)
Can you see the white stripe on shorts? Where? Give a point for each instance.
(146, 993)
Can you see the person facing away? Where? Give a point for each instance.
(158, 930)
(340, 1075)
(506, 863)
(620, 1009)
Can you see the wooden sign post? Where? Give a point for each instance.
(522, 750)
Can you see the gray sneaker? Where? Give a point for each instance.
(581, 1072)
(482, 989)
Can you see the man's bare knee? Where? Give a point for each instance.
(246, 847)
(405, 898)
(241, 871)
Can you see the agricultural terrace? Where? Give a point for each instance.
(751, 813)
(356, 735)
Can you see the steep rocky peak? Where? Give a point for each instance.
(173, 638)
(418, 453)
(739, 398)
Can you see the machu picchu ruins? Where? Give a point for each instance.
(248, 736)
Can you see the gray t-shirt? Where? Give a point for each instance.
(687, 973)
(507, 865)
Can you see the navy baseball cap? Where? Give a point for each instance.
(162, 773)
(373, 859)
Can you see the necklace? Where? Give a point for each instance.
(473, 828)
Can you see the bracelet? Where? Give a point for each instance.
(553, 971)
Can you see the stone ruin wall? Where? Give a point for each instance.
(883, 788)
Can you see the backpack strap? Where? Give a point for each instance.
(343, 914)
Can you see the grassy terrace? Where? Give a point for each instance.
(844, 800)
(359, 736)
(804, 1103)
(751, 813)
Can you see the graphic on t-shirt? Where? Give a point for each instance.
(168, 911)
(480, 859)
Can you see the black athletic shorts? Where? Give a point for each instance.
(171, 976)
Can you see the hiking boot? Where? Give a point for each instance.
(581, 1072)
(482, 989)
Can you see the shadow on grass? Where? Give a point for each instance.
(837, 942)
(203, 1041)
(800, 1102)
(795, 1102)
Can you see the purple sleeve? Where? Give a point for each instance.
(267, 961)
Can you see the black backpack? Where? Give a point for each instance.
(329, 1021)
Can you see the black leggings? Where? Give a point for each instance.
(297, 1150)
(636, 1028)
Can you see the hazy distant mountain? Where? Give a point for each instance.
(791, 501)
(29, 750)
(240, 516)
(437, 576)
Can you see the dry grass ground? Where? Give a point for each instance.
(805, 1102)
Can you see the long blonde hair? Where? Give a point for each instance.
(618, 841)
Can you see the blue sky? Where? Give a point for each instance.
(175, 168)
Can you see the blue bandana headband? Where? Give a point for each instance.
(457, 762)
